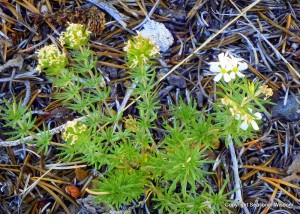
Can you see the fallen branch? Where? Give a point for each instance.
(29, 138)
(237, 186)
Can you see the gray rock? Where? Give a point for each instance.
(290, 111)
(176, 81)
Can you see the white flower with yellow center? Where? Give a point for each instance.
(227, 67)
(237, 66)
(249, 119)
(221, 68)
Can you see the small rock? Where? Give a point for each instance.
(290, 111)
(176, 81)
(89, 206)
(164, 91)
(159, 34)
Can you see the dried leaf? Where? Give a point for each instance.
(294, 169)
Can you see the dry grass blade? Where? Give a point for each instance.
(265, 169)
(96, 193)
(267, 208)
(14, 12)
(293, 72)
(29, 6)
(254, 171)
(278, 26)
(263, 77)
(10, 169)
(288, 25)
(51, 180)
(271, 181)
(284, 183)
(59, 201)
(44, 184)
(113, 65)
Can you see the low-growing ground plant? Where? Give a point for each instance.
(172, 172)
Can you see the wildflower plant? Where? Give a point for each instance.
(141, 53)
(240, 107)
(133, 164)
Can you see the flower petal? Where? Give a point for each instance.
(215, 67)
(225, 62)
(254, 125)
(244, 125)
(218, 77)
(258, 116)
(243, 66)
(220, 56)
(226, 77)
(232, 75)
(240, 74)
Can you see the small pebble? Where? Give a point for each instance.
(290, 111)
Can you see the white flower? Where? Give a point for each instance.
(249, 119)
(221, 68)
(237, 66)
(228, 67)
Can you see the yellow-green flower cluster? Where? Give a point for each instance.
(73, 132)
(75, 36)
(50, 58)
(265, 90)
(140, 51)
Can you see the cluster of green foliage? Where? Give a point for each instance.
(134, 165)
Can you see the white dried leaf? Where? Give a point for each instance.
(159, 34)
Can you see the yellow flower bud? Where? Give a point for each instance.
(140, 50)
(50, 58)
(75, 36)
